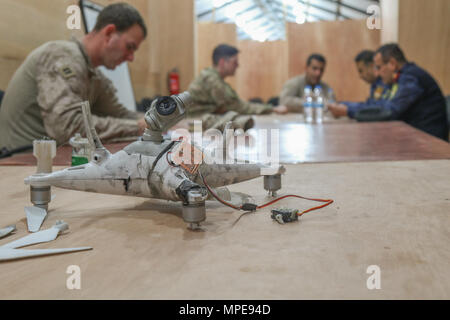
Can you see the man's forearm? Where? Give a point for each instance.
(294, 104)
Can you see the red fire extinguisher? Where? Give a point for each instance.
(174, 81)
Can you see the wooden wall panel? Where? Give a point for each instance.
(26, 24)
(263, 69)
(209, 35)
(174, 47)
(145, 83)
(424, 36)
(339, 42)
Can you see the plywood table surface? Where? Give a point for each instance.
(341, 140)
(395, 215)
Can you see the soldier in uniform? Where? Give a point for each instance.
(292, 93)
(43, 96)
(378, 90)
(413, 95)
(214, 99)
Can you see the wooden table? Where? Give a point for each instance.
(391, 214)
(340, 140)
(348, 141)
(63, 156)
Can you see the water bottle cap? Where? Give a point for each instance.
(318, 86)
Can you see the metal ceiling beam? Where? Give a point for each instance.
(224, 20)
(280, 6)
(248, 9)
(271, 28)
(239, 13)
(280, 34)
(323, 9)
(240, 31)
(349, 7)
(294, 17)
(218, 8)
(338, 9)
(267, 9)
(259, 16)
(262, 24)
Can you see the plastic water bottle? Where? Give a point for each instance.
(308, 104)
(330, 96)
(318, 104)
(81, 151)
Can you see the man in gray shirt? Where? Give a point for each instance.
(292, 92)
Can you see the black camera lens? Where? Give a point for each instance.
(166, 106)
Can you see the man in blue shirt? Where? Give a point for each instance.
(413, 96)
(364, 64)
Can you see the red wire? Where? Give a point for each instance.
(328, 201)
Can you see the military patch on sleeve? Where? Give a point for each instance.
(66, 72)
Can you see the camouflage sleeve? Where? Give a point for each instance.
(227, 99)
(198, 109)
(202, 101)
(255, 108)
(62, 84)
(107, 103)
(289, 98)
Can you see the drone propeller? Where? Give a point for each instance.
(9, 251)
(11, 254)
(39, 237)
(35, 218)
(7, 230)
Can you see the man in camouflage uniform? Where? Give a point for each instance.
(292, 93)
(43, 97)
(214, 99)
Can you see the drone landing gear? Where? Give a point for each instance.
(193, 214)
(272, 184)
(194, 211)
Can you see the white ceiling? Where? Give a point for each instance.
(263, 20)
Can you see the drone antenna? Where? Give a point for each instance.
(91, 134)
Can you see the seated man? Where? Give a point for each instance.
(414, 96)
(292, 93)
(43, 96)
(216, 101)
(364, 64)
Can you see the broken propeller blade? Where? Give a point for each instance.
(7, 230)
(38, 237)
(35, 218)
(12, 254)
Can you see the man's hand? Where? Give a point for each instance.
(142, 125)
(221, 110)
(280, 109)
(337, 109)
